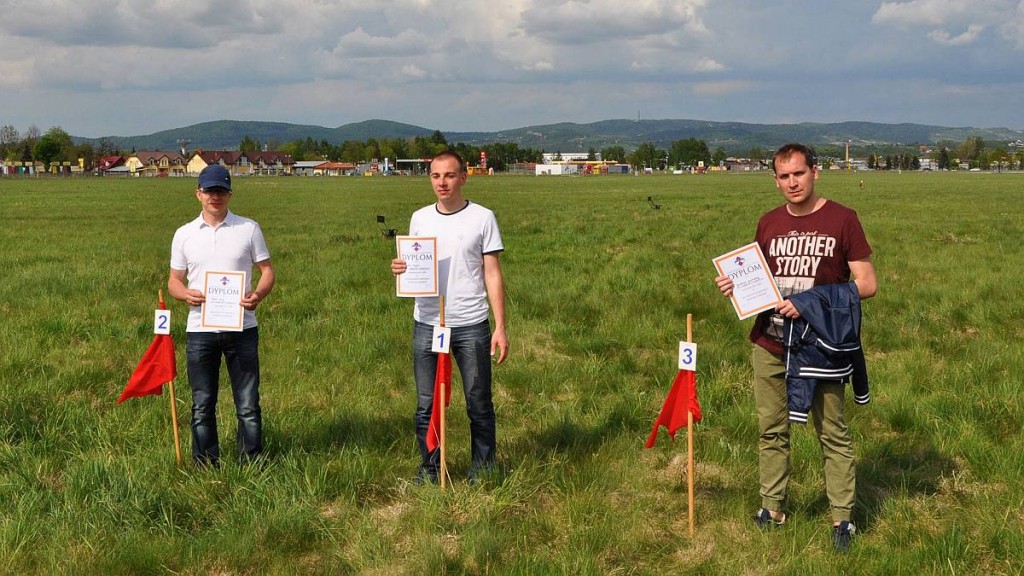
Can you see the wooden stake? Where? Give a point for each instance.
(174, 423)
(443, 470)
(174, 409)
(689, 436)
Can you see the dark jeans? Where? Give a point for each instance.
(471, 349)
(240, 351)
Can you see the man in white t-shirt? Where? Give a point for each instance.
(221, 241)
(469, 276)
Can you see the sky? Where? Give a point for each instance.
(134, 67)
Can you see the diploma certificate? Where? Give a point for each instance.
(223, 307)
(754, 288)
(420, 277)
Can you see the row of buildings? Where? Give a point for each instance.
(160, 163)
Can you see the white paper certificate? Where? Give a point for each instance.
(223, 307)
(420, 277)
(754, 288)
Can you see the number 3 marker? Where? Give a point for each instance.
(688, 356)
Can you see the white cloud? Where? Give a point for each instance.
(1013, 27)
(359, 44)
(941, 16)
(944, 37)
(101, 67)
(708, 65)
(413, 71)
(925, 12)
(603, 21)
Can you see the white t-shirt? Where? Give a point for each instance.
(235, 245)
(462, 240)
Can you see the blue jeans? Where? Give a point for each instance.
(471, 349)
(241, 353)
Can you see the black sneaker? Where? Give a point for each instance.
(842, 535)
(426, 476)
(764, 519)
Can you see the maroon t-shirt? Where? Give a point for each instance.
(806, 251)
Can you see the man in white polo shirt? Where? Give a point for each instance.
(219, 240)
(469, 245)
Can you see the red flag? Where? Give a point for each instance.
(682, 398)
(443, 377)
(156, 368)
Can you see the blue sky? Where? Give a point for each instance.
(130, 67)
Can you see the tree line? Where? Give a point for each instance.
(56, 145)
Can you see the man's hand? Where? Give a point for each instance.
(251, 300)
(398, 266)
(499, 343)
(725, 284)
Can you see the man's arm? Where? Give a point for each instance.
(263, 286)
(863, 272)
(495, 284)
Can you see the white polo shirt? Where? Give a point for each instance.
(462, 240)
(236, 244)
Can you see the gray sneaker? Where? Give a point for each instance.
(764, 519)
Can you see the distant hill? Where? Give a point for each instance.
(734, 137)
(227, 134)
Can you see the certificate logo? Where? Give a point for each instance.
(416, 246)
(224, 281)
(739, 261)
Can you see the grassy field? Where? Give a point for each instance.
(599, 285)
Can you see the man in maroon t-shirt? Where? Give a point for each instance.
(808, 241)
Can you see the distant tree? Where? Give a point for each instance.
(944, 158)
(9, 140)
(249, 144)
(646, 155)
(971, 150)
(915, 163)
(372, 148)
(401, 147)
(385, 150)
(719, 156)
(689, 152)
(591, 154)
(757, 154)
(295, 149)
(32, 134)
(353, 151)
(471, 154)
(872, 161)
(55, 145)
(106, 147)
(438, 138)
(614, 153)
(424, 147)
(47, 150)
(86, 154)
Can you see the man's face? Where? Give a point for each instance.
(796, 179)
(446, 178)
(214, 200)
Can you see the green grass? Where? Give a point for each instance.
(599, 285)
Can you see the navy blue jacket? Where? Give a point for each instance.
(823, 344)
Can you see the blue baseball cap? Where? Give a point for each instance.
(215, 176)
